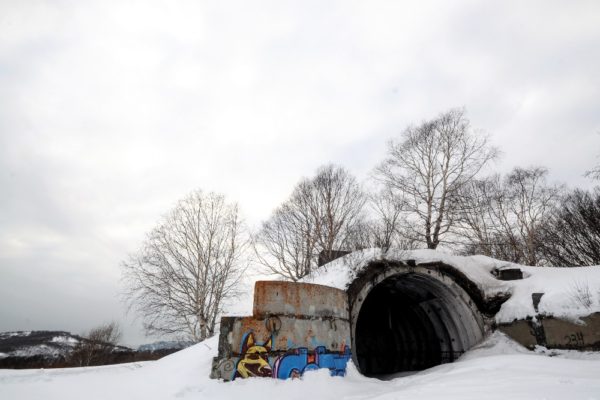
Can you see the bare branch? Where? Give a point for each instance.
(321, 216)
(429, 166)
(188, 265)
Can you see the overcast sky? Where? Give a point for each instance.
(112, 111)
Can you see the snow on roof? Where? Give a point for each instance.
(569, 293)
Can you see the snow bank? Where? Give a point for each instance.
(496, 369)
(569, 293)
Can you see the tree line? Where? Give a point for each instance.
(430, 190)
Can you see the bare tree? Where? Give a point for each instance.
(572, 232)
(386, 227)
(485, 221)
(594, 173)
(187, 267)
(335, 202)
(109, 333)
(286, 242)
(503, 218)
(429, 166)
(531, 201)
(477, 219)
(97, 346)
(321, 216)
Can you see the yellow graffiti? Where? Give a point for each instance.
(254, 360)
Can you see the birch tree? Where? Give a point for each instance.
(428, 166)
(505, 217)
(387, 223)
(188, 266)
(321, 217)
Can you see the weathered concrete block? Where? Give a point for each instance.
(299, 299)
(521, 332)
(509, 274)
(333, 334)
(296, 327)
(567, 335)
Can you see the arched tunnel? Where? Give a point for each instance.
(410, 318)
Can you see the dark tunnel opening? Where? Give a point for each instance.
(411, 322)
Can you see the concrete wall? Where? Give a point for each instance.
(299, 299)
(295, 327)
(556, 333)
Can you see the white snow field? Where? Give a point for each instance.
(496, 369)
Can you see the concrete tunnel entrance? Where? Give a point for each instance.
(409, 319)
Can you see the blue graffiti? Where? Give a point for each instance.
(296, 362)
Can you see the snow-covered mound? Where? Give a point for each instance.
(569, 293)
(497, 369)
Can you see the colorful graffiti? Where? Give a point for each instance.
(254, 358)
(296, 362)
(260, 360)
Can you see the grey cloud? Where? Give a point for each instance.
(111, 112)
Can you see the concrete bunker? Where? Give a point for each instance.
(407, 318)
(395, 316)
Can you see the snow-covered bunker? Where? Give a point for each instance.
(396, 312)
(407, 317)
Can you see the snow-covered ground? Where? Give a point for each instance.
(496, 369)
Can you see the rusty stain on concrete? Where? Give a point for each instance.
(299, 299)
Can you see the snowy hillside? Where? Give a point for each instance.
(27, 348)
(497, 369)
(50, 349)
(27, 343)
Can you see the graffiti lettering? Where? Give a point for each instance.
(575, 339)
(260, 360)
(296, 362)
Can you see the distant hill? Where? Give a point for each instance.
(26, 349)
(52, 349)
(164, 346)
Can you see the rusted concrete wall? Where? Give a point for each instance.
(299, 300)
(556, 333)
(295, 327)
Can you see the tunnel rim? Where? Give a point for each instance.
(376, 272)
